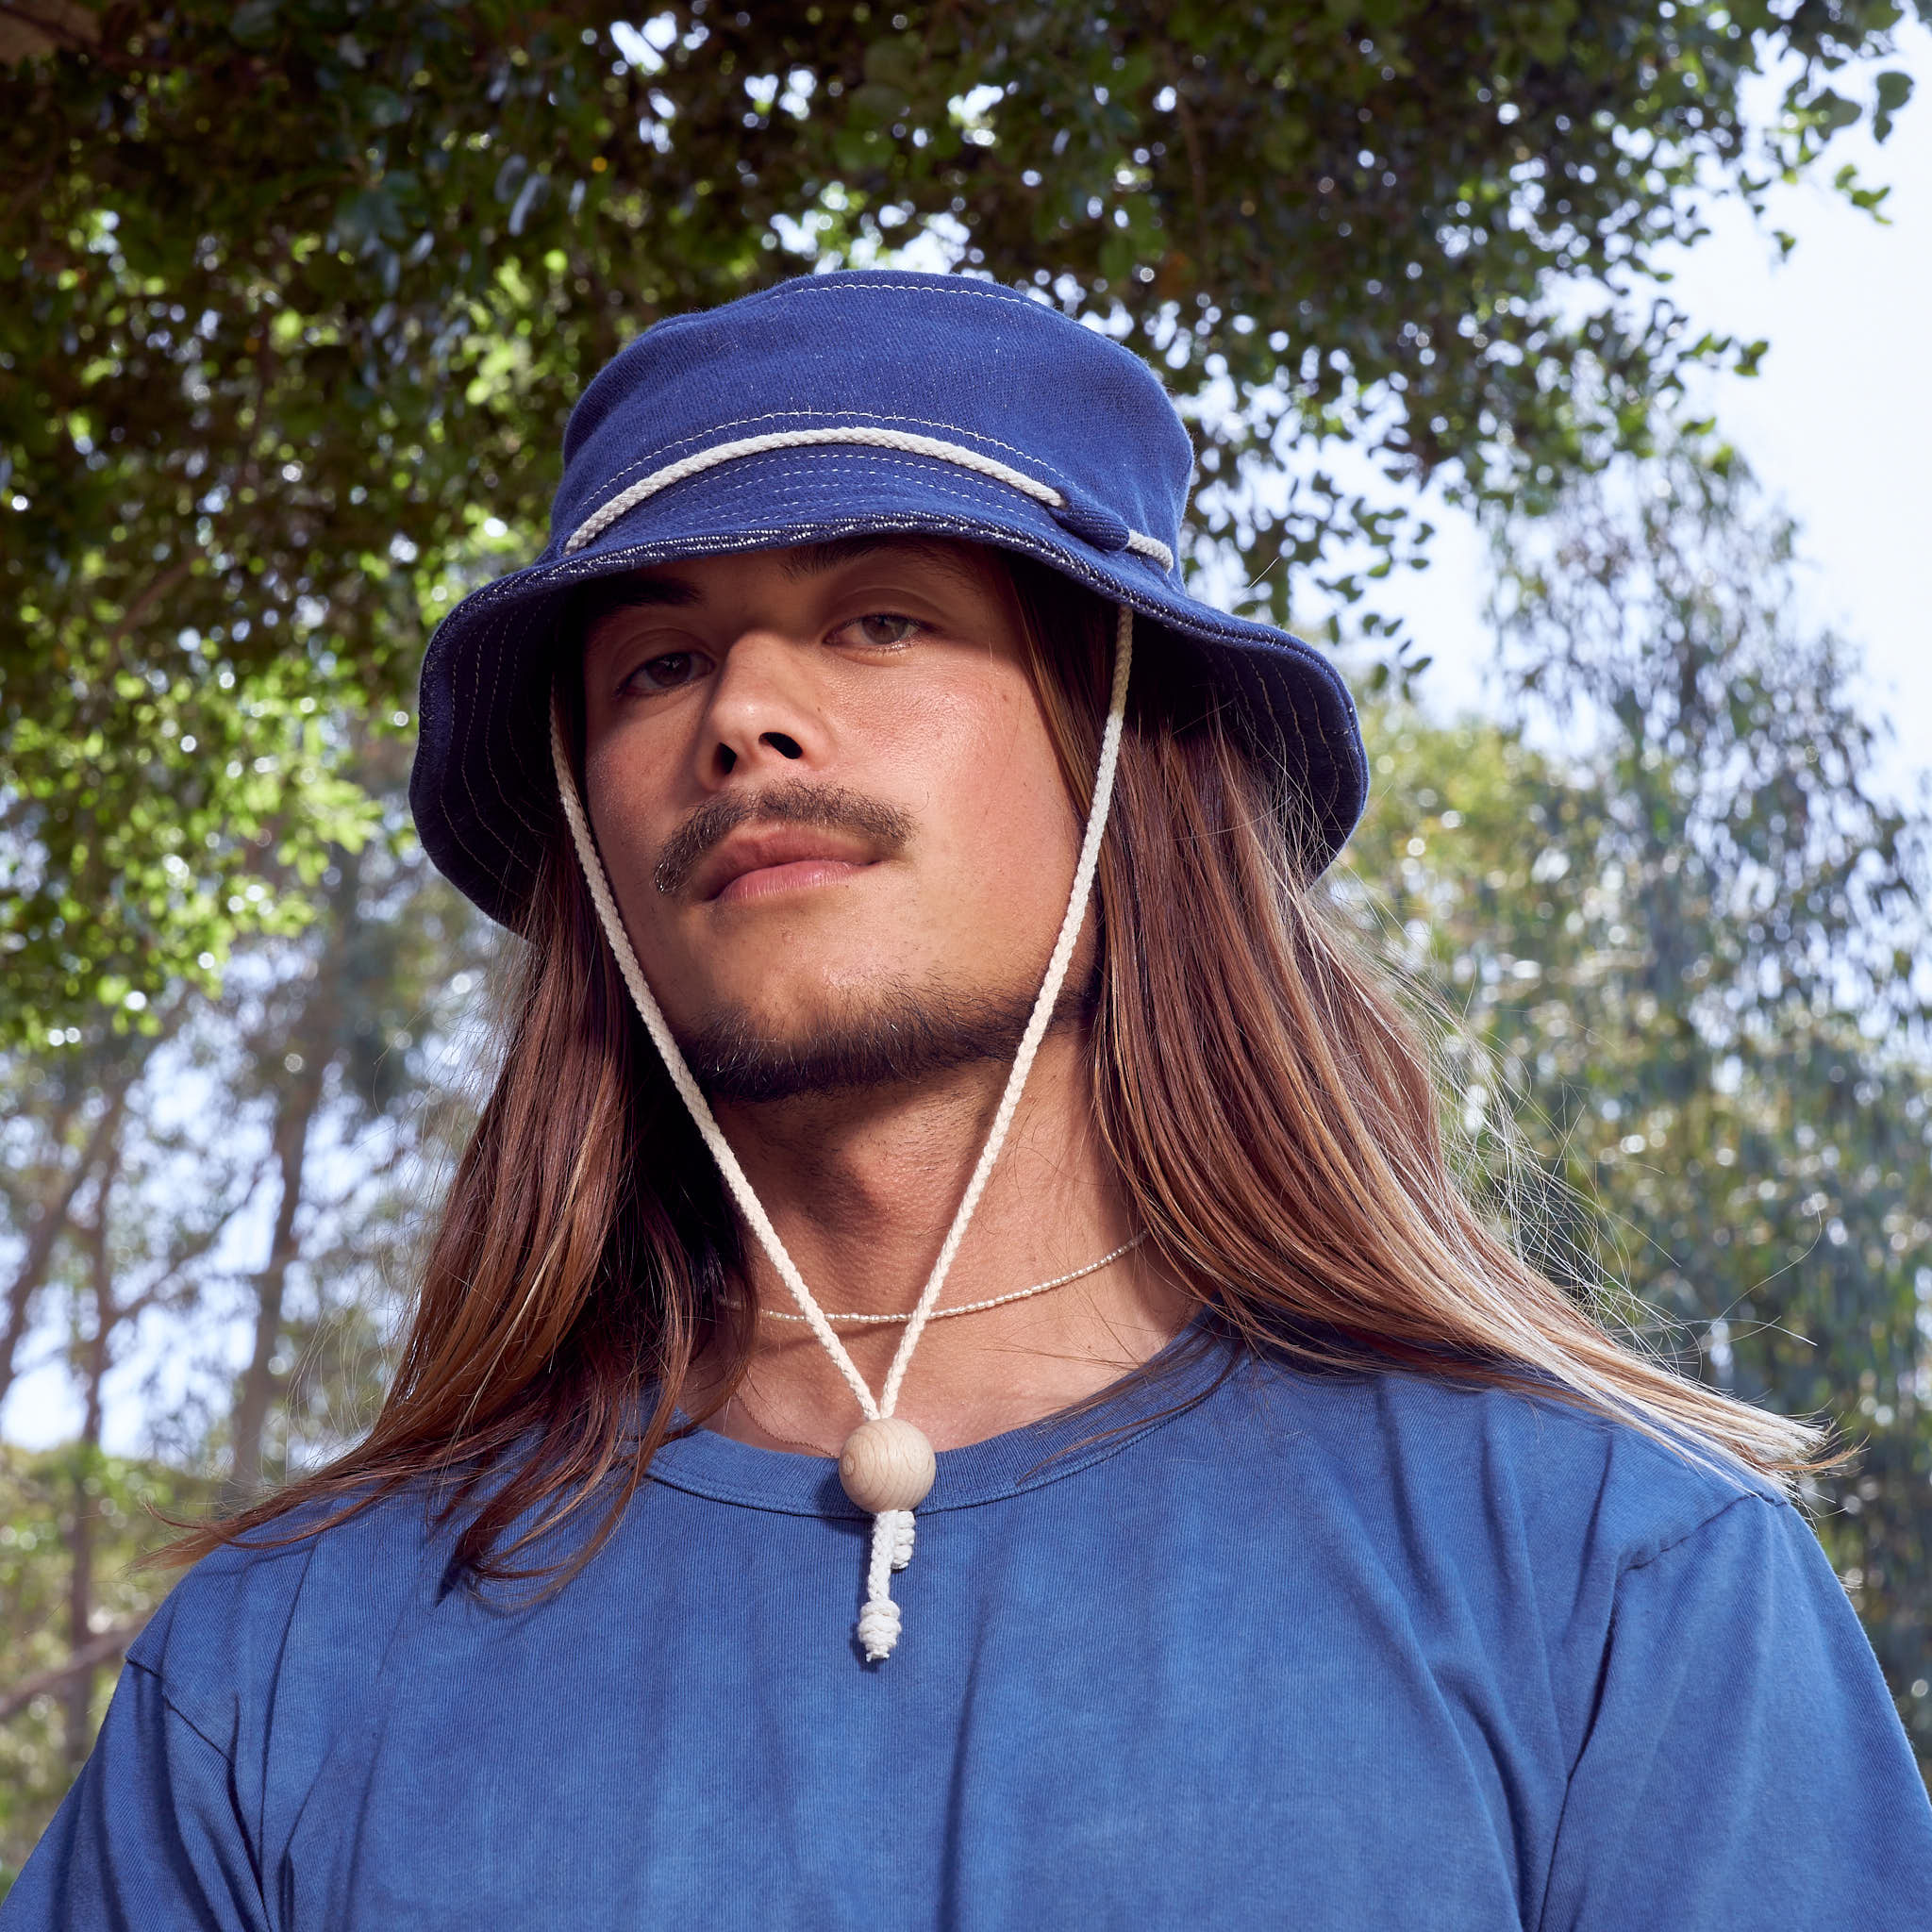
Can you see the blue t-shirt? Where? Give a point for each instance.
(1317, 1651)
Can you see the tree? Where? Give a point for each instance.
(118, 1243)
(337, 1039)
(214, 1220)
(298, 291)
(1685, 964)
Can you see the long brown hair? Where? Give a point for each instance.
(1265, 1095)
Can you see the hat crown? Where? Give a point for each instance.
(952, 357)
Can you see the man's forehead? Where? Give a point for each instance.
(675, 582)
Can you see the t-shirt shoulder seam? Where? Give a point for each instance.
(167, 1697)
(1697, 1528)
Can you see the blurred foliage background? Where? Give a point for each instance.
(295, 297)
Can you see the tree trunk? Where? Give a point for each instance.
(78, 1731)
(79, 1695)
(316, 1035)
(258, 1380)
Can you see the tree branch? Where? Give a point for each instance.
(48, 1230)
(97, 1651)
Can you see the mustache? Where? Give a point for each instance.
(791, 802)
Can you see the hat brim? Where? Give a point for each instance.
(482, 790)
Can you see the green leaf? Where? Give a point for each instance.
(1893, 91)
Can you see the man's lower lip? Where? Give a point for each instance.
(796, 876)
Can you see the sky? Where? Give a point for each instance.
(1838, 424)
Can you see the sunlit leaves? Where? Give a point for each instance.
(142, 800)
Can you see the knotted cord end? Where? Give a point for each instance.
(891, 1549)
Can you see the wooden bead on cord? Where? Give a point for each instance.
(886, 1465)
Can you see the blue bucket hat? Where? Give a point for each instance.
(836, 406)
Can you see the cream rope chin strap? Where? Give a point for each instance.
(887, 1465)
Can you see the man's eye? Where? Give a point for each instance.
(883, 628)
(666, 672)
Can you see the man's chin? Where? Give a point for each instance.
(899, 1037)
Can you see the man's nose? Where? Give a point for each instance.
(763, 718)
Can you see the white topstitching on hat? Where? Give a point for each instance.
(628, 499)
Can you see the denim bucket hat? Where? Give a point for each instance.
(836, 406)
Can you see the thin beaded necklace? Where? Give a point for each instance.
(887, 1465)
(998, 1300)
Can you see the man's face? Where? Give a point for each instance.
(830, 809)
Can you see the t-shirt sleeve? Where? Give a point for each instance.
(1745, 1766)
(150, 1838)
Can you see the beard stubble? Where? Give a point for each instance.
(904, 1034)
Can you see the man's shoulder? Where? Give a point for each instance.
(329, 1584)
(1514, 1461)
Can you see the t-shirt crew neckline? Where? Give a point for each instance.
(1190, 1368)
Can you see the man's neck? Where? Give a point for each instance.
(862, 1186)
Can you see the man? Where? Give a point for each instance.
(954, 1386)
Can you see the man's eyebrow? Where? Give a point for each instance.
(632, 592)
